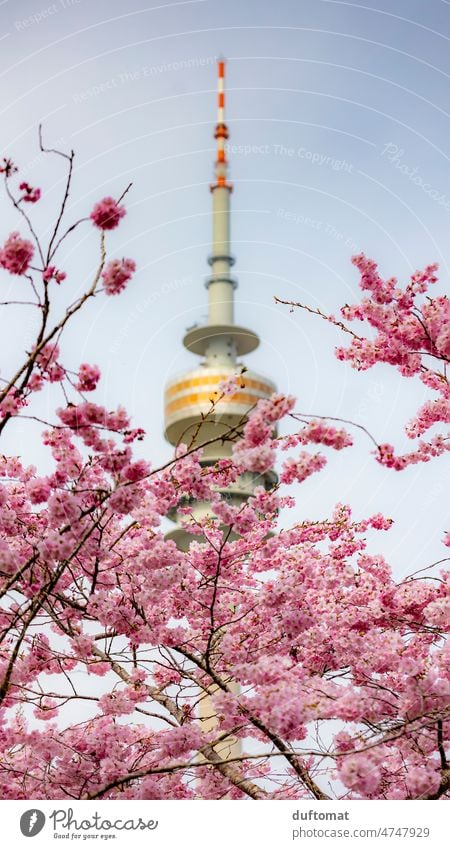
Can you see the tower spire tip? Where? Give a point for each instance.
(221, 132)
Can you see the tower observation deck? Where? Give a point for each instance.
(220, 343)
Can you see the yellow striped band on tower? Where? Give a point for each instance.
(197, 392)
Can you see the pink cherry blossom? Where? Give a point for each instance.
(88, 377)
(301, 467)
(232, 384)
(38, 490)
(16, 254)
(116, 275)
(7, 167)
(47, 709)
(52, 273)
(116, 703)
(63, 507)
(438, 613)
(107, 214)
(319, 432)
(30, 195)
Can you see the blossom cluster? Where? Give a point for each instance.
(116, 275)
(16, 254)
(107, 213)
(409, 330)
(16, 257)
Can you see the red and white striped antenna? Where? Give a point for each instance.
(221, 132)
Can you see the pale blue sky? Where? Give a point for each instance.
(316, 91)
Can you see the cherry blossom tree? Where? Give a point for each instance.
(333, 677)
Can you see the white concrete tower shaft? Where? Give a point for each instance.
(220, 284)
(221, 342)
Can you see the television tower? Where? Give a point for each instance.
(220, 343)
